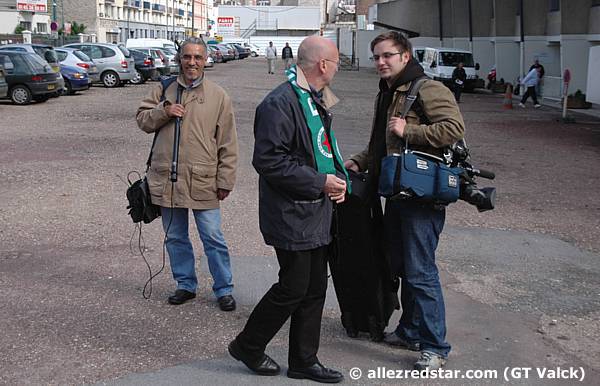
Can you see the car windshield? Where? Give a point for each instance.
(37, 64)
(125, 51)
(82, 56)
(453, 58)
(170, 51)
(47, 53)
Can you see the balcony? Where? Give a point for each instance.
(131, 4)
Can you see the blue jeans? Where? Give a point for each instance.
(181, 253)
(412, 232)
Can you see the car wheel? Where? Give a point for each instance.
(110, 79)
(69, 87)
(20, 95)
(254, 54)
(137, 78)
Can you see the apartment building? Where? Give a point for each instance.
(30, 15)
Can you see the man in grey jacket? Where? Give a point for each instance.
(301, 177)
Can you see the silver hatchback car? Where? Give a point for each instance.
(115, 63)
(74, 57)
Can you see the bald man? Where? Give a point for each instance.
(301, 176)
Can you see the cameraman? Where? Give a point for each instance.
(208, 154)
(412, 229)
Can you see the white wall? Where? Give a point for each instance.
(593, 78)
(574, 52)
(278, 42)
(507, 59)
(8, 22)
(293, 18)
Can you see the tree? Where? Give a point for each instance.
(77, 28)
(19, 29)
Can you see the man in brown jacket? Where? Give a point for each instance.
(208, 154)
(412, 229)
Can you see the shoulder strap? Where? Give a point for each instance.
(413, 92)
(165, 83)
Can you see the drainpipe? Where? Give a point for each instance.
(441, 23)
(522, 46)
(470, 28)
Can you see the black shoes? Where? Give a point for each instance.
(316, 372)
(264, 366)
(394, 340)
(181, 296)
(226, 303)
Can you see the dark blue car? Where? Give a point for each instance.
(76, 79)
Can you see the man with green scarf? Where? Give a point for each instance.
(302, 178)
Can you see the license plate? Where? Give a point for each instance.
(51, 87)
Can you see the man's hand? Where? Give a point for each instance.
(396, 125)
(174, 110)
(351, 165)
(222, 194)
(335, 188)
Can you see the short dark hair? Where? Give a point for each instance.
(399, 40)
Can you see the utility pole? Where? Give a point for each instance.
(173, 21)
(193, 17)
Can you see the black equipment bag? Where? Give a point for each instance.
(364, 286)
(140, 205)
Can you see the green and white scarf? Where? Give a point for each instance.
(324, 148)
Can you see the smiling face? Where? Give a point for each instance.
(391, 60)
(193, 59)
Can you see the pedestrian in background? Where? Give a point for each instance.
(538, 87)
(530, 81)
(271, 54)
(301, 177)
(459, 77)
(288, 56)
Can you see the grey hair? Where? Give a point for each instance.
(190, 40)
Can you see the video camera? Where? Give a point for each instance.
(484, 198)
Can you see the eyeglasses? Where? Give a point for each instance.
(385, 56)
(337, 63)
(187, 57)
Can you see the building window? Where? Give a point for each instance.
(42, 28)
(26, 25)
(554, 5)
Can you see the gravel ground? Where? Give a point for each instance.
(72, 308)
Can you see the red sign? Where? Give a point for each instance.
(225, 20)
(32, 5)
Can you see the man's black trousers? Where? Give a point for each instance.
(299, 294)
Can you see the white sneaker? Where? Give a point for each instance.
(521, 105)
(537, 106)
(429, 361)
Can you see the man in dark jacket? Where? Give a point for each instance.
(287, 55)
(459, 77)
(412, 229)
(301, 178)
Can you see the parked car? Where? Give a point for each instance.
(254, 49)
(76, 78)
(233, 50)
(210, 62)
(244, 53)
(45, 52)
(74, 57)
(171, 53)
(226, 52)
(148, 42)
(439, 63)
(215, 53)
(28, 77)
(144, 67)
(3, 84)
(161, 61)
(115, 64)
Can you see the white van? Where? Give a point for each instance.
(439, 63)
(149, 43)
(418, 53)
